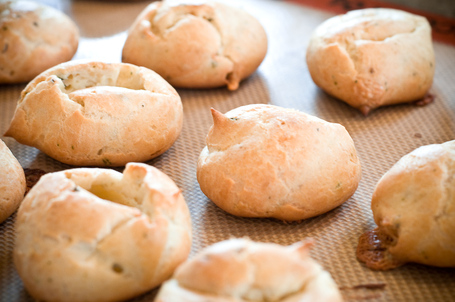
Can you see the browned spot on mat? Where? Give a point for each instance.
(32, 176)
(373, 251)
(363, 291)
(427, 99)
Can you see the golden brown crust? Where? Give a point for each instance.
(97, 235)
(12, 182)
(267, 161)
(98, 114)
(373, 57)
(239, 270)
(34, 37)
(201, 45)
(414, 207)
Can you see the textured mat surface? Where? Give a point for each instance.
(283, 79)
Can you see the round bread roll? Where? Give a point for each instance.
(12, 182)
(373, 57)
(93, 234)
(414, 209)
(98, 114)
(196, 44)
(238, 270)
(34, 37)
(266, 161)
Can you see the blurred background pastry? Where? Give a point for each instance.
(34, 37)
(196, 44)
(373, 57)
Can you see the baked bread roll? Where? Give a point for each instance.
(12, 182)
(266, 161)
(34, 37)
(238, 270)
(92, 234)
(196, 44)
(373, 57)
(98, 114)
(414, 207)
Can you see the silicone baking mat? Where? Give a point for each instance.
(283, 79)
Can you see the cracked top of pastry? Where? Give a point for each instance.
(373, 57)
(98, 114)
(196, 44)
(91, 234)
